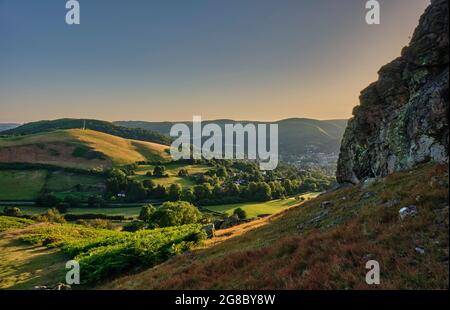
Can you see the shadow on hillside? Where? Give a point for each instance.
(24, 266)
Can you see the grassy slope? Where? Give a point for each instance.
(262, 208)
(23, 266)
(21, 185)
(172, 170)
(25, 185)
(119, 151)
(315, 247)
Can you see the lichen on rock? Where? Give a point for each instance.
(402, 119)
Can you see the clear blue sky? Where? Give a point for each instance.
(170, 59)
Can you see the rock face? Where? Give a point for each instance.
(402, 119)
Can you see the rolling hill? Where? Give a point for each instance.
(78, 148)
(296, 135)
(8, 126)
(96, 125)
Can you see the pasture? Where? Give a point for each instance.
(261, 208)
(21, 185)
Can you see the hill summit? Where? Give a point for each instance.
(402, 119)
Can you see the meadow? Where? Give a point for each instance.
(21, 185)
(26, 185)
(171, 170)
(262, 208)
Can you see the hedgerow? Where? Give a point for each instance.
(104, 253)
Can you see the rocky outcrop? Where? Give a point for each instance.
(402, 119)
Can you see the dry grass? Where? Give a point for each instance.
(304, 249)
(56, 148)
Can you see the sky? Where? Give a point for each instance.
(167, 60)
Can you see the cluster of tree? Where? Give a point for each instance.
(102, 126)
(225, 182)
(50, 200)
(170, 214)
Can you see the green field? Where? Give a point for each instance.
(25, 185)
(125, 211)
(255, 209)
(172, 170)
(21, 185)
(64, 184)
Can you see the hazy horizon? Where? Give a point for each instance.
(258, 60)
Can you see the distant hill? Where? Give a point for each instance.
(8, 126)
(78, 148)
(296, 135)
(97, 125)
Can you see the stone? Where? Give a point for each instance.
(326, 204)
(58, 287)
(210, 230)
(420, 250)
(368, 182)
(407, 212)
(230, 222)
(402, 119)
(367, 195)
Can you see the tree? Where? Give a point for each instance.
(12, 211)
(203, 191)
(72, 201)
(240, 213)
(136, 191)
(277, 190)
(62, 207)
(96, 202)
(187, 194)
(159, 192)
(52, 216)
(146, 213)
(175, 214)
(158, 171)
(174, 192)
(150, 184)
(222, 172)
(217, 191)
(259, 191)
(183, 173)
(47, 201)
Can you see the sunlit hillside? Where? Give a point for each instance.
(79, 149)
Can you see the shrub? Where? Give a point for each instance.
(134, 226)
(240, 213)
(47, 201)
(105, 253)
(12, 211)
(174, 192)
(96, 202)
(52, 216)
(72, 201)
(183, 173)
(146, 213)
(7, 222)
(175, 214)
(149, 184)
(62, 208)
(92, 216)
(158, 171)
(97, 223)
